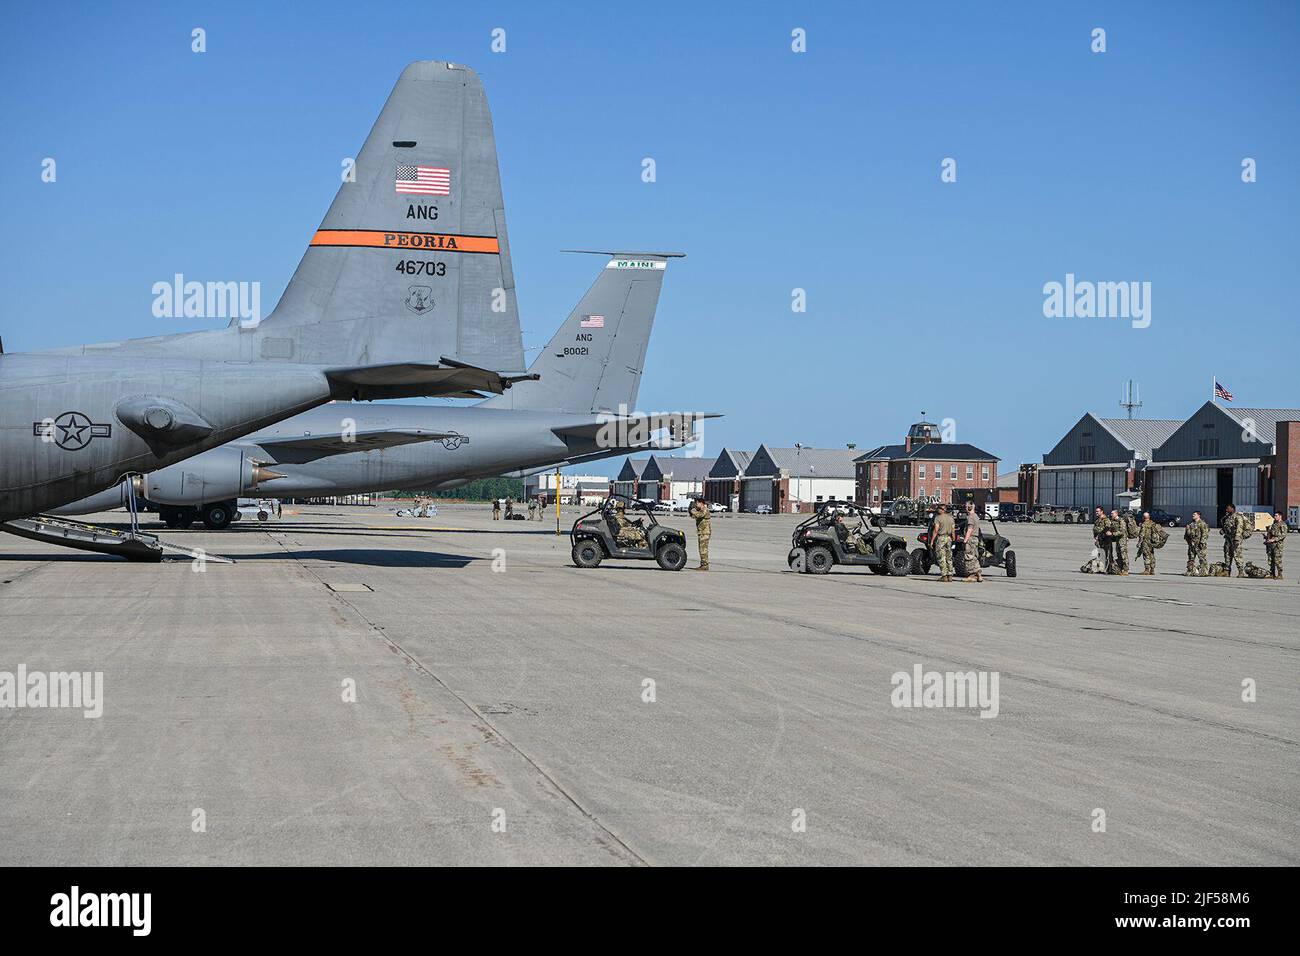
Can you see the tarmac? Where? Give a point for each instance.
(362, 689)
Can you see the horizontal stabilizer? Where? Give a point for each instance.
(401, 379)
(311, 447)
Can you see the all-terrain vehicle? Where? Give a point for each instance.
(994, 549)
(595, 536)
(845, 533)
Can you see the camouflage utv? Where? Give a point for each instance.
(994, 549)
(847, 534)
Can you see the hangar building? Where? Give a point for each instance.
(1222, 454)
(792, 480)
(1100, 459)
(724, 477)
(668, 478)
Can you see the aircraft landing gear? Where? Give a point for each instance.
(178, 518)
(218, 515)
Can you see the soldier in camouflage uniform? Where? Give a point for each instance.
(700, 512)
(1119, 542)
(1148, 531)
(630, 533)
(1197, 536)
(1274, 544)
(1101, 540)
(970, 551)
(941, 542)
(1233, 533)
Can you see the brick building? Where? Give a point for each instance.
(923, 465)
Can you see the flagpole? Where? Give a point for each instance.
(1214, 392)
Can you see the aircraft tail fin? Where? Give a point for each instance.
(594, 362)
(412, 261)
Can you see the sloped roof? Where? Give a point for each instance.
(956, 451)
(730, 463)
(632, 468)
(1140, 435)
(882, 452)
(1009, 479)
(1265, 419)
(679, 468)
(822, 462)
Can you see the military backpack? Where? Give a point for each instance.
(1160, 537)
(1245, 525)
(1130, 526)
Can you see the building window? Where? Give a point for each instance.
(970, 472)
(952, 472)
(1087, 453)
(875, 494)
(904, 469)
(920, 492)
(1207, 447)
(984, 472)
(920, 471)
(875, 471)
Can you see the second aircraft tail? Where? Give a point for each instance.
(594, 362)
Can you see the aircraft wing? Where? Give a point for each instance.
(445, 377)
(618, 426)
(305, 448)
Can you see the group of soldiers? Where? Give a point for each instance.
(1112, 533)
(536, 509)
(943, 532)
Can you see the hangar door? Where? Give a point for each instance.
(755, 492)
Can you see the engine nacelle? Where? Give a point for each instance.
(216, 475)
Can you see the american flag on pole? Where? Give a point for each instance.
(593, 322)
(423, 180)
(1222, 392)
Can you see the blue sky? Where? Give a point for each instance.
(775, 171)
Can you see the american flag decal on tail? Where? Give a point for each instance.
(593, 322)
(423, 180)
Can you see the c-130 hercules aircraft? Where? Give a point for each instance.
(379, 307)
(576, 410)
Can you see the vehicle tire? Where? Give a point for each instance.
(920, 561)
(797, 559)
(587, 554)
(263, 516)
(671, 556)
(1009, 562)
(219, 515)
(819, 559)
(897, 562)
(1172, 524)
(178, 518)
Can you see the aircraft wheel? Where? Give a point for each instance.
(1009, 562)
(587, 554)
(898, 562)
(218, 516)
(671, 556)
(818, 560)
(920, 561)
(178, 518)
